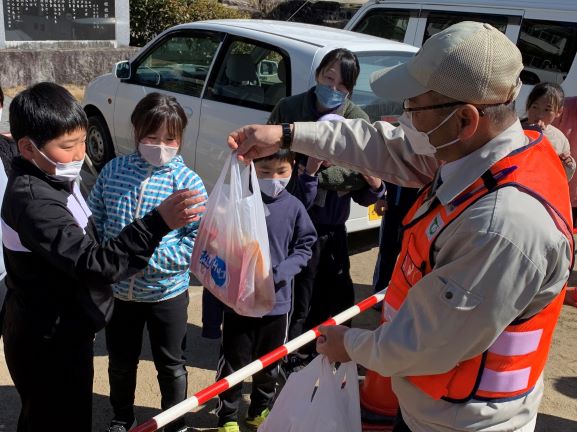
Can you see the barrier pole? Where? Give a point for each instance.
(240, 375)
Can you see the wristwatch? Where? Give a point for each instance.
(287, 137)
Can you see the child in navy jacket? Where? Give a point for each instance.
(291, 235)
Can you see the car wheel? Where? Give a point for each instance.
(98, 142)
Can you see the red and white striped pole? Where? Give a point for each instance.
(240, 375)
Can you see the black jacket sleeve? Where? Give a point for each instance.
(47, 228)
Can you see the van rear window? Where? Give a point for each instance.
(548, 50)
(439, 21)
(385, 23)
(376, 107)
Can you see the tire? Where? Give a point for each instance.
(99, 145)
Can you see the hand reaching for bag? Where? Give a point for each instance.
(373, 182)
(313, 165)
(177, 211)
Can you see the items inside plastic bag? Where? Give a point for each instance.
(231, 256)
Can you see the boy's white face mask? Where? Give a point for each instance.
(63, 171)
(273, 187)
(157, 154)
(419, 141)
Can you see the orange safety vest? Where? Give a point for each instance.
(511, 366)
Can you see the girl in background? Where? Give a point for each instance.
(544, 105)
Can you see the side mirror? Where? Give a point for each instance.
(122, 70)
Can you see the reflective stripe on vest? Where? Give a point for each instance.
(511, 366)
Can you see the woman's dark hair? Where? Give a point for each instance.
(152, 111)
(1, 97)
(45, 111)
(549, 90)
(350, 67)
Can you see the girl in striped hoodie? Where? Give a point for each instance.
(127, 188)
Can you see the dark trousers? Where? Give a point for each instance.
(324, 288)
(51, 372)
(389, 247)
(244, 339)
(166, 322)
(400, 425)
(399, 201)
(304, 284)
(333, 290)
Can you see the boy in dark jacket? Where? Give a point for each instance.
(58, 275)
(291, 235)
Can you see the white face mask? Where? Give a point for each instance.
(273, 187)
(157, 154)
(419, 141)
(63, 171)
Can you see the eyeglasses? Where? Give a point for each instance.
(431, 107)
(481, 108)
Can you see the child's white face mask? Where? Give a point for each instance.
(62, 171)
(157, 154)
(273, 187)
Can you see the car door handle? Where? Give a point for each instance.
(188, 111)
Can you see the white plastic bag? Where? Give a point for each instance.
(318, 398)
(231, 256)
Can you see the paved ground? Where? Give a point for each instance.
(558, 411)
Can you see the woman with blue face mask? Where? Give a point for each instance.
(336, 76)
(325, 287)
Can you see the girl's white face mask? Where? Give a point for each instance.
(157, 154)
(273, 187)
(62, 171)
(419, 141)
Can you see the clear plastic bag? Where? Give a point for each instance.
(231, 256)
(318, 398)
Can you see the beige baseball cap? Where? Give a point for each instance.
(469, 61)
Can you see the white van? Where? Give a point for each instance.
(544, 31)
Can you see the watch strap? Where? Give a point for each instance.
(287, 136)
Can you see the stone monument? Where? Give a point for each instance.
(66, 41)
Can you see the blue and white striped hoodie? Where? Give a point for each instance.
(128, 188)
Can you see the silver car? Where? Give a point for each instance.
(225, 74)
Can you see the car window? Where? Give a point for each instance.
(548, 50)
(178, 64)
(252, 75)
(439, 21)
(385, 23)
(377, 108)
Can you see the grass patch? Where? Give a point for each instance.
(75, 90)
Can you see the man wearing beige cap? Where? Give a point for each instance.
(487, 247)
